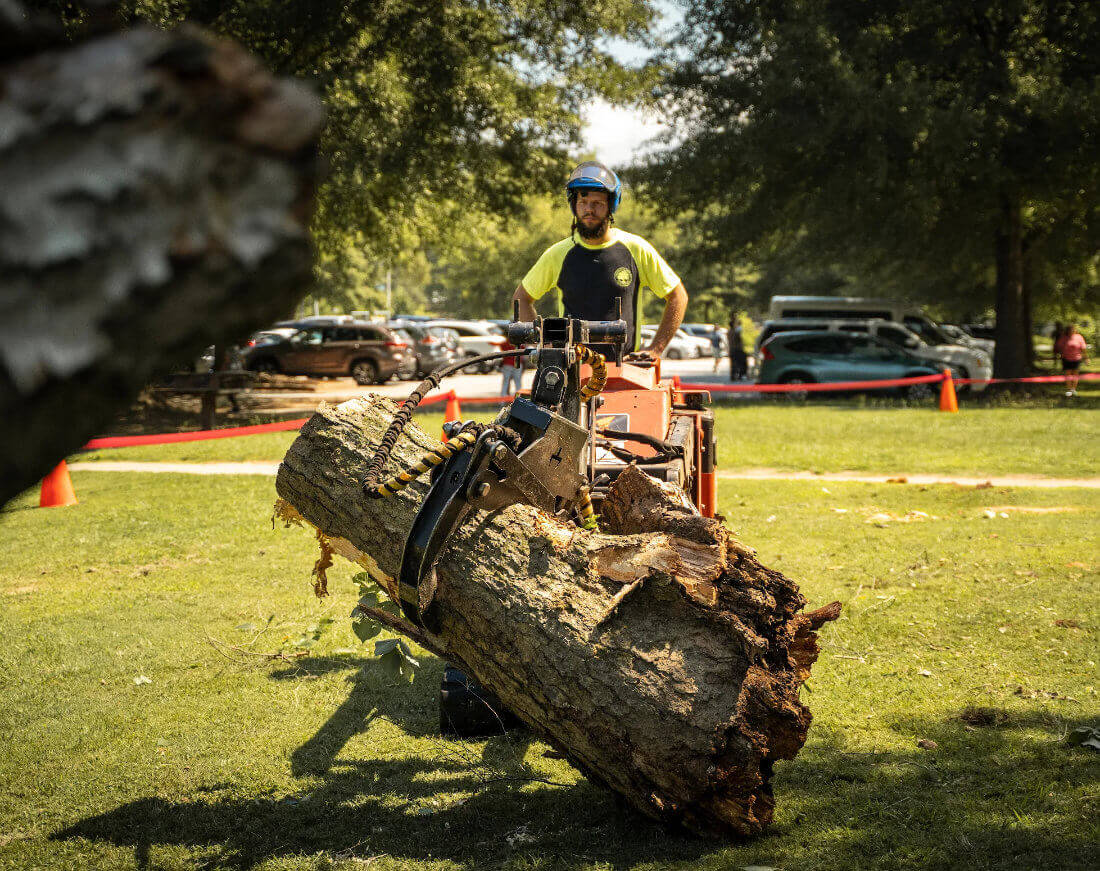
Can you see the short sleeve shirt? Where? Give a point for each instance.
(591, 278)
(1073, 348)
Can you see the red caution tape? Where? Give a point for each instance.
(197, 436)
(1036, 379)
(871, 385)
(286, 425)
(814, 388)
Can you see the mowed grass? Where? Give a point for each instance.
(980, 635)
(1059, 441)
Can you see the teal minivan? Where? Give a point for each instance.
(820, 356)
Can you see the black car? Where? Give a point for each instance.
(432, 347)
(369, 353)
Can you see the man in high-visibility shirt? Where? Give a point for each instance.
(599, 264)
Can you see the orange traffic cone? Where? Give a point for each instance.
(452, 412)
(57, 488)
(948, 400)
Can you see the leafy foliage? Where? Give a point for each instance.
(433, 108)
(393, 654)
(901, 142)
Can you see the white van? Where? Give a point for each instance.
(833, 307)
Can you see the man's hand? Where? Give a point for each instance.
(526, 304)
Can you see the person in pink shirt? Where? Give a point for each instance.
(1071, 347)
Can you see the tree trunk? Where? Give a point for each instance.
(659, 655)
(155, 194)
(1010, 358)
(1027, 282)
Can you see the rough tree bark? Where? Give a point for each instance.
(155, 191)
(659, 655)
(1010, 357)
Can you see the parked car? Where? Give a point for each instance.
(934, 334)
(475, 338)
(705, 331)
(823, 356)
(981, 331)
(682, 347)
(966, 361)
(701, 346)
(833, 307)
(959, 336)
(369, 353)
(862, 308)
(432, 347)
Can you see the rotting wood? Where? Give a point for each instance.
(681, 695)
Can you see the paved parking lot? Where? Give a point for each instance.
(334, 390)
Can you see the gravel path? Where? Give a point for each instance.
(258, 468)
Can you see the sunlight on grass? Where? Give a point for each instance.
(950, 635)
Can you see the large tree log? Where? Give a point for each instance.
(155, 192)
(659, 655)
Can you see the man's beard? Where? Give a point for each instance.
(593, 232)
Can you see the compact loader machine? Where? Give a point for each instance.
(590, 413)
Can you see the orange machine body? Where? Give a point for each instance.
(636, 400)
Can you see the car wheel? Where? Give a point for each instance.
(264, 365)
(673, 354)
(364, 372)
(919, 392)
(796, 395)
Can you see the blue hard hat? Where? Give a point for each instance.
(593, 176)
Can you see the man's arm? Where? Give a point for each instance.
(675, 306)
(526, 303)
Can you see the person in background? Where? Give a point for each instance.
(1072, 349)
(716, 345)
(511, 370)
(1056, 341)
(599, 271)
(738, 359)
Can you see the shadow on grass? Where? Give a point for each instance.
(1005, 793)
(979, 800)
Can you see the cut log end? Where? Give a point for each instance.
(659, 655)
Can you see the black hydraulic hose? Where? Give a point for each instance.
(404, 414)
(643, 438)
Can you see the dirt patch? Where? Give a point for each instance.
(1033, 509)
(21, 590)
(984, 718)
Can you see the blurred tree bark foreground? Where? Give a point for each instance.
(155, 193)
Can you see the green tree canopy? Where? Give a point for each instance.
(434, 106)
(927, 143)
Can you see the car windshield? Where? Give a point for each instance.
(928, 330)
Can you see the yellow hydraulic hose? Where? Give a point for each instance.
(444, 452)
(599, 371)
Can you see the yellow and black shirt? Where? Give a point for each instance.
(589, 278)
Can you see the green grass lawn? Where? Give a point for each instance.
(1058, 441)
(980, 635)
